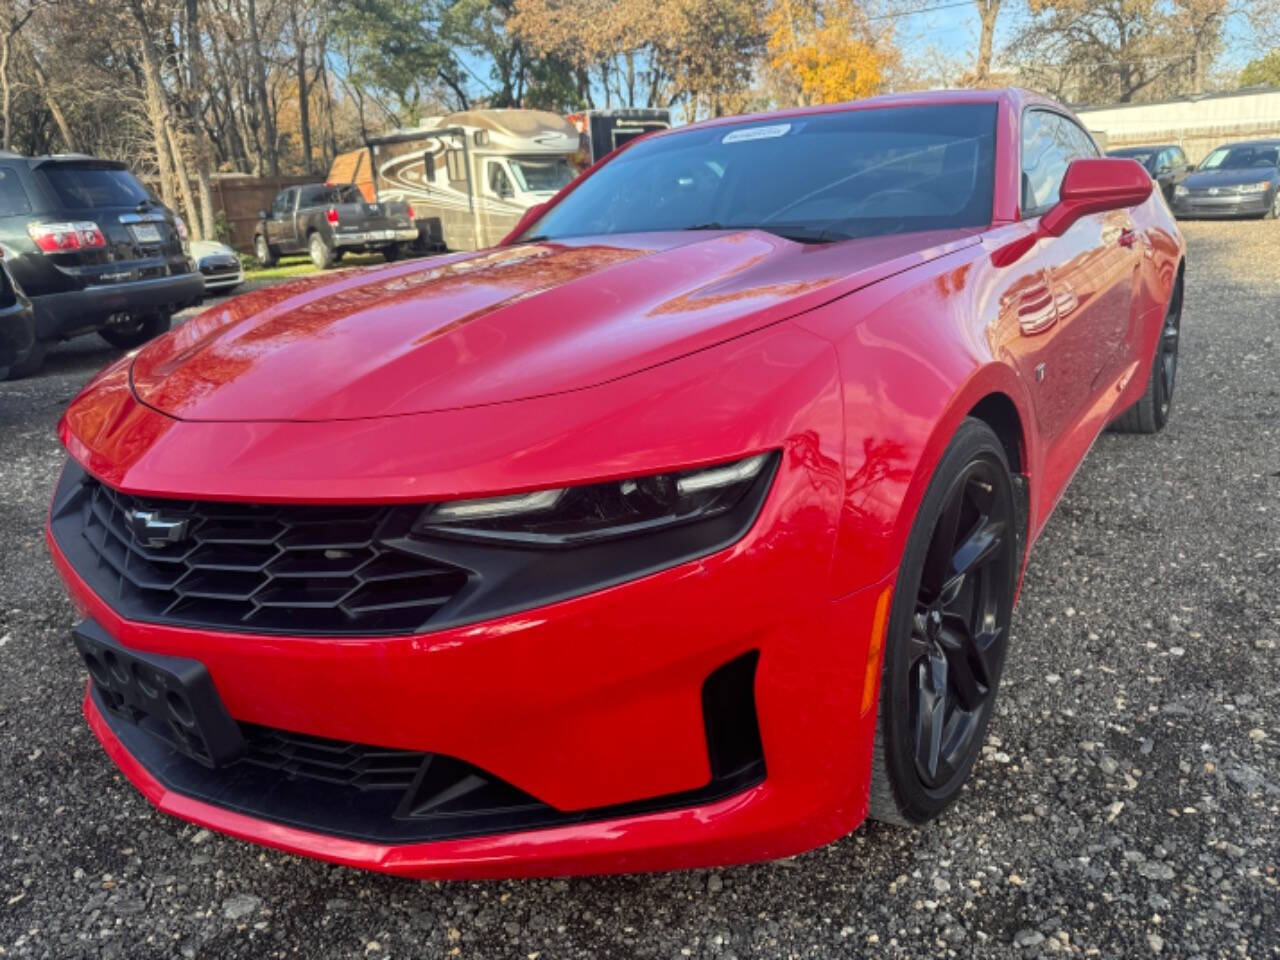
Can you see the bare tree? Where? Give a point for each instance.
(988, 11)
(16, 15)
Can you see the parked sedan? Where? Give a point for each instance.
(1236, 180)
(682, 528)
(1166, 163)
(218, 264)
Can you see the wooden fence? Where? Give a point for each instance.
(239, 197)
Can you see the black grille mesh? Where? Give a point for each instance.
(271, 568)
(332, 761)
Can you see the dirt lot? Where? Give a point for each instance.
(1128, 803)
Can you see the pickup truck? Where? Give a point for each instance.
(325, 221)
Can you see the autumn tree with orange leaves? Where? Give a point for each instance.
(824, 51)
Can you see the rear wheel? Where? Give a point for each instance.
(1151, 412)
(948, 631)
(138, 330)
(392, 253)
(267, 255)
(320, 251)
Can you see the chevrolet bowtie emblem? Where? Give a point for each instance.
(152, 529)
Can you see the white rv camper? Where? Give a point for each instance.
(468, 176)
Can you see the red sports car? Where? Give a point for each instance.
(682, 528)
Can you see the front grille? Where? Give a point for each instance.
(251, 567)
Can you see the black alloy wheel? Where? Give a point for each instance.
(1151, 412)
(1167, 359)
(948, 632)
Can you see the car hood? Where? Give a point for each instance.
(1228, 178)
(499, 325)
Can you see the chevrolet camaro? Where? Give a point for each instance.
(684, 527)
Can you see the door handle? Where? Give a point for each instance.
(1127, 237)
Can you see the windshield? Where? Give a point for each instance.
(86, 188)
(821, 177)
(1242, 158)
(541, 174)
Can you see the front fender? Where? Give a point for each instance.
(915, 359)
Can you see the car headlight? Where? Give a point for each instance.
(570, 516)
(1180, 191)
(1262, 187)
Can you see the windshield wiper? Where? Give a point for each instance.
(799, 234)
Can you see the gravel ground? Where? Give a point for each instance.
(1126, 804)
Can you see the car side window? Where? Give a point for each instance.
(1049, 143)
(284, 203)
(13, 196)
(499, 184)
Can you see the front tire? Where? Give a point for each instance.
(137, 332)
(1273, 212)
(320, 252)
(267, 255)
(948, 631)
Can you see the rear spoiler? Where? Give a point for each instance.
(80, 160)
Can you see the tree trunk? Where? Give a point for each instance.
(203, 226)
(180, 171)
(14, 26)
(5, 91)
(988, 10)
(331, 133)
(269, 145)
(304, 104)
(42, 80)
(156, 108)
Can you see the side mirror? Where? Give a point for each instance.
(526, 220)
(1094, 185)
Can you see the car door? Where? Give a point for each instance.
(280, 220)
(1163, 174)
(1067, 349)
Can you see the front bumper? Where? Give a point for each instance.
(588, 704)
(1222, 205)
(221, 276)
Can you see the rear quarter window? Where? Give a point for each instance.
(13, 196)
(89, 188)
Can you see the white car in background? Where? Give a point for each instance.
(218, 264)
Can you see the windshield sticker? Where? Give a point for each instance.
(757, 133)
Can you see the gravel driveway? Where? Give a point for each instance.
(1128, 803)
